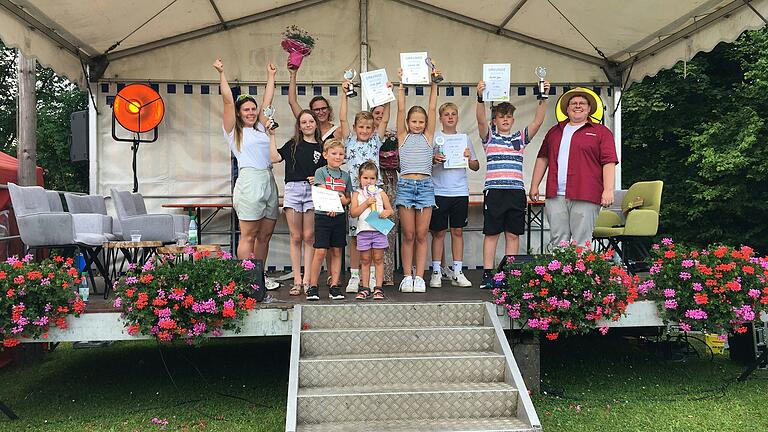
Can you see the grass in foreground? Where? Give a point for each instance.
(121, 388)
(611, 384)
(591, 384)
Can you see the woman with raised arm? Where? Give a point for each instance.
(248, 134)
(319, 105)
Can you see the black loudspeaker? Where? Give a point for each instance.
(78, 137)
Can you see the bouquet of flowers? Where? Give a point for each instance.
(35, 296)
(298, 43)
(570, 291)
(187, 300)
(719, 289)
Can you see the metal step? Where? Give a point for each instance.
(377, 315)
(508, 424)
(406, 402)
(401, 368)
(386, 340)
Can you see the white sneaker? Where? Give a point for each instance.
(448, 273)
(353, 285)
(435, 281)
(419, 285)
(271, 283)
(406, 285)
(460, 280)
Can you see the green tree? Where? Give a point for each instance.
(57, 99)
(701, 128)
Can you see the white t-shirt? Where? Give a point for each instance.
(452, 182)
(562, 157)
(254, 148)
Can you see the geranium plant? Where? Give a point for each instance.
(570, 291)
(719, 289)
(298, 43)
(35, 296)
(188, 299)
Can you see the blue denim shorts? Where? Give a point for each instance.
(418, 194)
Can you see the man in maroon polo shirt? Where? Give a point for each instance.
(581, 157)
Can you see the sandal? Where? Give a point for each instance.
(378, 294)
(296, 289)
(363, 294)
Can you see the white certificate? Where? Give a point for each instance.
(326, 200)
(415, 68)
(496, 77)
(454, 146)
(374, 84)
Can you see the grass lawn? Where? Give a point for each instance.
(592, 384)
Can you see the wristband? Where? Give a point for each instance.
(479, 99)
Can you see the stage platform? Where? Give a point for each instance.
(273, 317)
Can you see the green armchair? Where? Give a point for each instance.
(639, 220)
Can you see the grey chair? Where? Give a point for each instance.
(43, 223)
(132, 214)
(94, 204)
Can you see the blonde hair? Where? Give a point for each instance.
(333, 143)
(363, 115)
(447, 105)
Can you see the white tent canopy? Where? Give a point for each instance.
(591, 41)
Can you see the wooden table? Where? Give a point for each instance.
(197, 210)
(135, 252)
(178, 251)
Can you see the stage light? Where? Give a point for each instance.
(138, 109)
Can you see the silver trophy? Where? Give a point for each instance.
(541, 72)
(269, 111)
(436, 76)
(349, 75)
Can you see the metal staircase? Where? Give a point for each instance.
(404, 367)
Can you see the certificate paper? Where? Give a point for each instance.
(374, 84)
(415, 68)
(496, 77)
(326, 200)
(453, 147)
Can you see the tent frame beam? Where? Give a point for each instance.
(218, 13)
(687, 31)
(50, 33)
(482, 25)
(512, 14)
(205, 31)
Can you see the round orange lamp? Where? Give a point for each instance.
(139, 109)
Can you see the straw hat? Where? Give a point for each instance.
(565, 99)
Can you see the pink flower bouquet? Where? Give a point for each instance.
(298, 43)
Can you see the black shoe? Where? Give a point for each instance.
(335, 293)
(313, 293)
(487, 282)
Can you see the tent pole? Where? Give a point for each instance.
(617, 92)
(26, 122)
(363, 45)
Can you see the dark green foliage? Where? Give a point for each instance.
(702, 131)
(57, 98)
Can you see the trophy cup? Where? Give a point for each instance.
(349, 75)
(270, 113)
(436, 76)
(541, 72)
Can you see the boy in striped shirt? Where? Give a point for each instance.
(504, 199)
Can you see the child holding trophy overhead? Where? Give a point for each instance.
(415, 190)
(362, 142)
(504, 199)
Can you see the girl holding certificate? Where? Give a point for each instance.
(415, 190)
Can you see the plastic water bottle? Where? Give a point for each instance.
(192, 232)
(84, 289)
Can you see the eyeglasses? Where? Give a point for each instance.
(320, 109)
(578, 103)
(243, 97)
